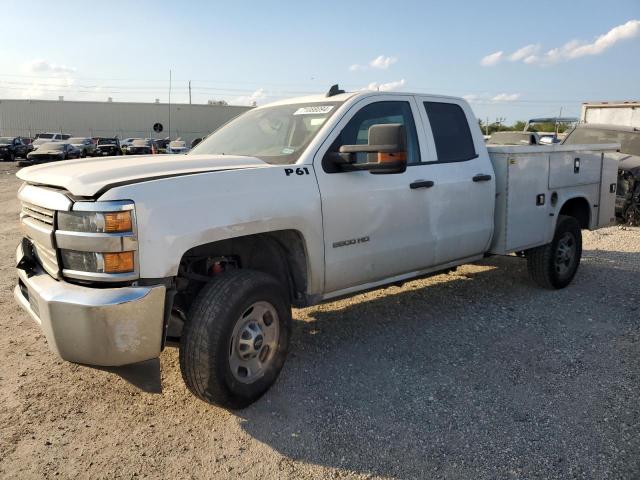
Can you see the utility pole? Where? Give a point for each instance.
(169, 105)
(189, 92)
(486, 127)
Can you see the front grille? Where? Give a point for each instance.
(38, 225)
(43, 215)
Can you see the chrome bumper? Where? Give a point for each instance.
(94, 326)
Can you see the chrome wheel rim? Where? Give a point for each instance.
(254, 342)
(565, 254)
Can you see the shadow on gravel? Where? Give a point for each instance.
(478, 375)
(143, 375)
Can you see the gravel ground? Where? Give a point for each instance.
(474, 374)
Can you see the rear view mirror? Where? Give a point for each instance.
(386, 149)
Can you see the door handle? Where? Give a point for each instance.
(421, 184)
(481, 177)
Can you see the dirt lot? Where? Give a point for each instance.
(475, 374)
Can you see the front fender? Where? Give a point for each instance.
(179, 213)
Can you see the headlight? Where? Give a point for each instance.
(112, 262)
(98, 242)
(95, 222)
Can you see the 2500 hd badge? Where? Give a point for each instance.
(353, 241)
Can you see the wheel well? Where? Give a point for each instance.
(281, 254)
(579, 209)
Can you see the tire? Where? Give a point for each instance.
(555, 264)
(223, 321)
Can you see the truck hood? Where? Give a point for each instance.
(87, 177)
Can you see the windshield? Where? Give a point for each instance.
(107, 141)
(6, 139)
(275, 135)
(52, 146)
(45, 135)
(141, 143)
(177, 144)
(629, 141)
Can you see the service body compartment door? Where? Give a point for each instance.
(607, 202)
(569, 169)
(528, 200)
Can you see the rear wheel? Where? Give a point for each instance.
(236, 338)
(554, 265)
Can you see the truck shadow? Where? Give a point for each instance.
(456, 378)
(144, 375)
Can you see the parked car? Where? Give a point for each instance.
(13, 147)
(177, 147)
(108, 146)
(127, 142)
(85, 145)
(293, 203)
(162, 144)
(50, 152)
(142, 147)
(42, 138)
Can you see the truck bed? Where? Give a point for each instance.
(534, 182)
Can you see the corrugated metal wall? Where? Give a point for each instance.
(104, 119)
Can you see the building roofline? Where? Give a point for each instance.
(96, 102)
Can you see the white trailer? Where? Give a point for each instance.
(624, 114)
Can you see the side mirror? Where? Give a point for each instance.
(386, 151)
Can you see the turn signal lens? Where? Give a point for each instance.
(121, 262)
(118, 222)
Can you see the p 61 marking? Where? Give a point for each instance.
(297, 171)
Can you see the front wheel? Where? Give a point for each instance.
(236, 338)
(555, 264)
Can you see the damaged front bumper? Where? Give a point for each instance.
(93, 326)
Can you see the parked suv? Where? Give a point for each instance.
(108, 147)
(85, 145)
(13, 147)
(49, 137)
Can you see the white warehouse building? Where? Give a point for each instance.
(26, 118)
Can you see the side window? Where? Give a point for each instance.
(356, 132)
(451, 133)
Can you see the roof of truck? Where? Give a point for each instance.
(342, 97)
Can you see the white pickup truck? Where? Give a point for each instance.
(294, 203)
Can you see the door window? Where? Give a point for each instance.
(356, 132)
(451, 133)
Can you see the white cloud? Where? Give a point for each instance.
(492, 59)
(487, 98)
(506, 97)
(43, 66)
(571, 50)
(381, 62)
(252, 99)
(524, 53)
(385, 87)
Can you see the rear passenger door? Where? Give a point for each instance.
(461, 201)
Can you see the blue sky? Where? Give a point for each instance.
(245, 51)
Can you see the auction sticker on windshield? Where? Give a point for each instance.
(321, 109)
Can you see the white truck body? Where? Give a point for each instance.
(344, 232)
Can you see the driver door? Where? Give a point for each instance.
(375, 226)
